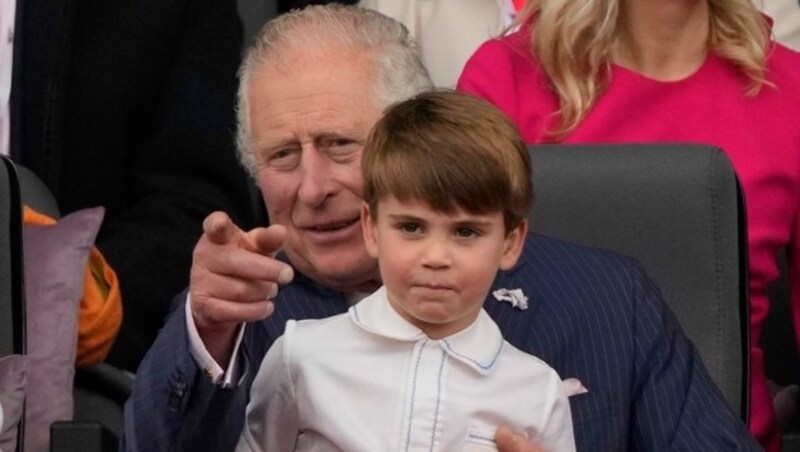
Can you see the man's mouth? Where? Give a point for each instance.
(334, 233)
(333, 226)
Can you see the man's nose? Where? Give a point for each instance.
(317, 182)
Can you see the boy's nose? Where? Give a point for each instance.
(436, 254)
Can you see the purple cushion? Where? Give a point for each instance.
(55, 262)
(12, 396)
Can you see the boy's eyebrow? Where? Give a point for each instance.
(475, 224)
(403, 217)
(460, 223)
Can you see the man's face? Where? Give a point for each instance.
(309, 121)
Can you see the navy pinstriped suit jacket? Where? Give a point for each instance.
(592, 315)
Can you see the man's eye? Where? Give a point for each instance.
(277, 155)
(341, 142)
(282, 158)
(342, 149)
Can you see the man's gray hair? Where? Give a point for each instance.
(399, 72)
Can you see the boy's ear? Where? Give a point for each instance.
(515, 240)
(368, 229)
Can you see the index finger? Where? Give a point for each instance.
(268, 241)
(219, 228)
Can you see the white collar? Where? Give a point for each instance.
(477, 346)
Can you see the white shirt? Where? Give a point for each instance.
(368, 380)
(7, 18)
(211, 369)
(447, 31)
(786, 14)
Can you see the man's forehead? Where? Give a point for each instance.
(300, 55)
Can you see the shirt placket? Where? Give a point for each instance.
(424, 407)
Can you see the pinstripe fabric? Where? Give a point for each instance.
(593, 316)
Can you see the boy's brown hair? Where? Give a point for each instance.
(451, 150)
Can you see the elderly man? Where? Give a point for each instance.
(312, 85)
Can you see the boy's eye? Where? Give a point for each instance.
(466, 233)
(411, 228)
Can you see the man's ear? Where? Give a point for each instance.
(369, 231)
(512, 249)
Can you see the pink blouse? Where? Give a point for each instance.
(760, 135)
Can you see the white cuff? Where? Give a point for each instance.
(203, 358)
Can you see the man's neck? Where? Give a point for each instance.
(354, 297)
(663, 39)
(359, 290)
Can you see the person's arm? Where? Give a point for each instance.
(180, 166)
(211, 369)
(174, 404)
(676, 404)
(272, 414)
(233, 278)
(556, 430)
(171, 395)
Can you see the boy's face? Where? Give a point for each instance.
(437, 267)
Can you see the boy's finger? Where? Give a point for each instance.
(508, 441)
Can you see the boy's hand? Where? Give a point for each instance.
(508, 441)
(233, 278)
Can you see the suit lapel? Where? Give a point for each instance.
(303, 299)
(515, 323)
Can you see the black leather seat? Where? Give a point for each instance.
(100, 391)
(12, 294)
(678, 210)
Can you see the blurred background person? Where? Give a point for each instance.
(786, 17)
(611, 71)
(128, 105)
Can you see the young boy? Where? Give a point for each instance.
(418, 365)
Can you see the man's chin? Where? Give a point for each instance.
(355, 273)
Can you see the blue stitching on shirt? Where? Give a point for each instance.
(438, 399)
(355, 312)
(476, 436)
(483, 367)
(413, 392)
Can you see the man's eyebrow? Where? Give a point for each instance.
(265, 145)
(338, 135)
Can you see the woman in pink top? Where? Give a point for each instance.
(590, 71)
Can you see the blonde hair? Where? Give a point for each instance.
(573, 41)
(450, 150)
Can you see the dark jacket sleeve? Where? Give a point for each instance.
(676, 405)
(175, 407)
(159, 79)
